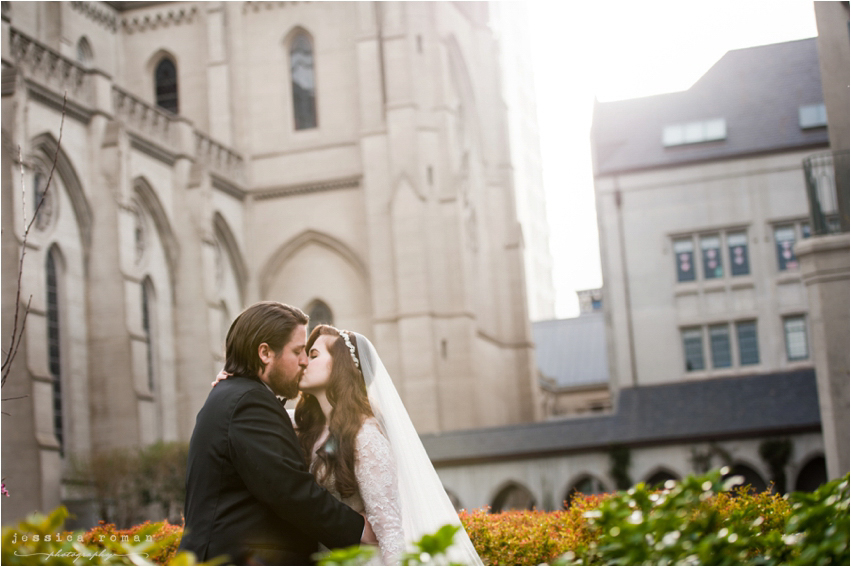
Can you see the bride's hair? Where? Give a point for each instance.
(346, 392)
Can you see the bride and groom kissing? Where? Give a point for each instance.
(266, 487)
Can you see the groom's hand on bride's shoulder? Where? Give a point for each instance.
(368, 535)
(221, 376)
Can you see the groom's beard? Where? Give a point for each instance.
(289, 386)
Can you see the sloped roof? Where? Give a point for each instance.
(757, 90)
(572, 352)
(682, 412)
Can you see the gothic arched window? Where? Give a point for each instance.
(148, 324)
(303, 82)
(54, 353)
(514, 496)
(584, 485)
(320, 314)
(165, 79)
(84, 52)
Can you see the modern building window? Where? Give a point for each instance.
(795, 329)
(693, 348)
(54, 353)
(303, 82)
(684, 257)
(737, 243)
(694, 132)
(812, 116)
(711, 250)
(719, 344)
(165, 79)
(784, 239)
(805, 230)
(748, 344)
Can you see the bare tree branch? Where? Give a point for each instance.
(17, 334)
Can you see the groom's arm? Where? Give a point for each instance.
(266, 454)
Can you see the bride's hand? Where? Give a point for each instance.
(221, 376)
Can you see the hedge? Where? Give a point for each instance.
(697, 521)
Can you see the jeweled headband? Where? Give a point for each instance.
(345, 335)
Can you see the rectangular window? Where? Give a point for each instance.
(737, 242)
(805, 230)
(812, 116)
(711, 247)
(784, 239)
(694, 132)
(719, 343)
(693, 347)
(684, 256)
(795, 329)
(748, 345)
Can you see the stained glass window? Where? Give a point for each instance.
(737, 243)
(784, 238)
(684, 257)
(711, 249)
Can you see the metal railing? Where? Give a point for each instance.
(826, 175)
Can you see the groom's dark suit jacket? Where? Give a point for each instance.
(249, 494)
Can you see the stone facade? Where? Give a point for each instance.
(395, 214)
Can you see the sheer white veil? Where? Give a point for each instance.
(425, 504)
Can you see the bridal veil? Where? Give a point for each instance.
(425, 504)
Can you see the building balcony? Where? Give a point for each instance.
(826, 175)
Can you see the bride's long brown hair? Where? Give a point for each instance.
(346, 392)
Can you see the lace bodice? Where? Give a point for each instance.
(378, 493)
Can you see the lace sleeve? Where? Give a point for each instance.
(375, 470)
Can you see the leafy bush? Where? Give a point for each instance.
(39, 540)
(429, 550)
(524, 537)
(127, 482)
(695, 521)
(698, 522)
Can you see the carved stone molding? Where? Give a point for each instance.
(347, 183)
(257, 6)
(96, 13)
(160, 19)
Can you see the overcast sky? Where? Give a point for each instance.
(617, 50)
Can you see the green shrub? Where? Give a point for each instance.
(429, 550)
(127, 482)
(698, 522)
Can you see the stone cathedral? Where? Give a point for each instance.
(351, 159)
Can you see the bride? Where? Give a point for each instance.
(363, 448)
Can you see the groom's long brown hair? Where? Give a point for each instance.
(346, 392)
(267, 322)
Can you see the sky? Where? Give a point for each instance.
(615, 50)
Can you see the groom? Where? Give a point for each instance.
(249, 494)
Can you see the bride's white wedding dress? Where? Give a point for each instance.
(399, 490)
(377, 496)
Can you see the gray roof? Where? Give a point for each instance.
(572, 352)
(682, 412)
(757, 90)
